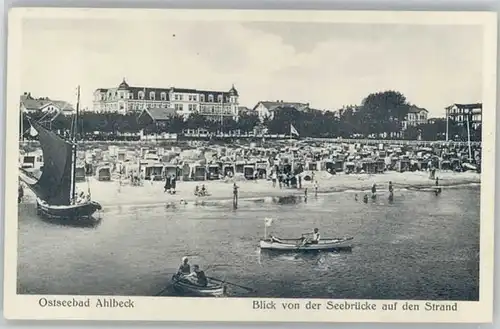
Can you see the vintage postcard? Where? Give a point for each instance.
(242, 165)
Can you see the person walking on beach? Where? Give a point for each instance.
(390, 187)
(374, 191)
(315, 188)
(166, 187)
(235, 195)
(173, 182)
(300, 181)
(305, 195)
(274, 177)
(20, 193)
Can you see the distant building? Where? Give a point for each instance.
(243, 110)
(267, 108)
(53, 108)
(416, 116)
(155, 115)
(460, 113)
(125, 98)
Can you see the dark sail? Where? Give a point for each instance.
(54, 185)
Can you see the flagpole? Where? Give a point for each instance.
(22, 120)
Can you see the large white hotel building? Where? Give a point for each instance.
(125, 99)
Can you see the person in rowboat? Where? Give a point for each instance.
(198, 277)
(314, 239)
(185, 268)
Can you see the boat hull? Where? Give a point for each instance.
(80, 212)
(277, 244)
(183, 287)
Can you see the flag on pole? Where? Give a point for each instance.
(33, 131)
(268, 221)
(293, 131)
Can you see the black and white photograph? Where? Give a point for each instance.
(186, 155)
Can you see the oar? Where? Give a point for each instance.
(161, 292)
(233, 284)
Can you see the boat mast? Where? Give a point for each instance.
(74, 133)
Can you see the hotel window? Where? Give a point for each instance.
(176, 97)
(141, 95)
(219, 98)
(152, 95)
(130, 96)
(211, 98)
(202, 98)
(163, 96)
(194, 98)
(195, 107)
(190, 97)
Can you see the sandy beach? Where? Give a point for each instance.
(111, 193)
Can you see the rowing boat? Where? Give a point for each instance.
(185, 287)
(331, 244)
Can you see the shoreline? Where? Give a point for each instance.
(110, 194)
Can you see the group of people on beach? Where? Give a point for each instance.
(437, 191)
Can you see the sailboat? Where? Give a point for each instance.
(55, 189)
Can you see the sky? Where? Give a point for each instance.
(328, 65)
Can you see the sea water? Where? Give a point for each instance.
(420, 246)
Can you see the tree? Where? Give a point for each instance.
(283, 118)
(383, 111)
(195, 121)
(247, 122)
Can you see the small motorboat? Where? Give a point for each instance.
(329, 244)
(185, 287)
